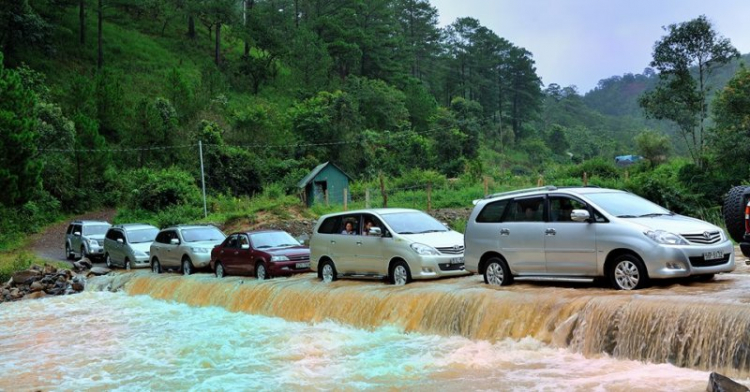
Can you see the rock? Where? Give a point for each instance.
(36, 268)
(49, 279)
(77, 286)
(21, 277)
(85, 262)
(49, 269)
(6, 292)
(99, 271)
(719, 383)
(15, 293)
(37, 286)
(36, 295)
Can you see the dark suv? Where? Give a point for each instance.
(264, 254)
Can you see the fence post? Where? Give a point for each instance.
(326, 195)
(540, 181)
(585, 179)
(367, 198)
(203, 179)
(346, 199)
(486, 186)
(382, 191)
(429, 196)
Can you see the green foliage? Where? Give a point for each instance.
(663, 186)
(158, 190)
(597, 167)
(653, 146)
(729, 139)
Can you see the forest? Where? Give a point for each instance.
(104, 103)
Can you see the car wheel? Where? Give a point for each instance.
(83, 251)
(220, 270)
(108, 260)
(69, 253)
(260, 271)
(497, 272)
(127, 265)
(733, 210)
(187, 266)
(400, 274)
(628, 273)
(328, 272)
(155, 266)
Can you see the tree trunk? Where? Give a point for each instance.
(244, 25)
(217, 55)
(100, 56)
(191, 27)
(82, 20)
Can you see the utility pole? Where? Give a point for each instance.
(203, 179)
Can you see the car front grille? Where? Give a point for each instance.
(452, 250)
(705, 238)
(451, 267)
(299, 258)
(699, 261)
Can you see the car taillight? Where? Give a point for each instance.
(747, 217)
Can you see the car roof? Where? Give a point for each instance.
(572, 190)
(90, 222)
(377, 211)
(188, 227)
(134, 226)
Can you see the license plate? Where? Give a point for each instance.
(302, 265)
(457, 260)
(714, 255)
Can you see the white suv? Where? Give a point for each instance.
(551, 233)
(400, 244)
(184, 248)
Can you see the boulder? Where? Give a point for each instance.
(15, 293)
(719, 383)
(37, 286)
(21, 277)
(49, 269)
(99, 271)
(35, 295)
(77, 286)
(85, 262)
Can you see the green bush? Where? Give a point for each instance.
(596, 167)
(157, 190)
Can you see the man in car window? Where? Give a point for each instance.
(348, 229)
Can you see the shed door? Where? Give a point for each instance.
(319, 191)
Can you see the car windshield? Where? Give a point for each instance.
(274, 239)
(95, 229)
(202, 234)
(413, 223)
(142, 235)
(627, 205)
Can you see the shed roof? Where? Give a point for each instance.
(309, 177)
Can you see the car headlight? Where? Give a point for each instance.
(424, 250)
(665, 237)
(200, 250)
(139, 253)
(279, 258)
(93, 242)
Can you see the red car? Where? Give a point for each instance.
(265, 254)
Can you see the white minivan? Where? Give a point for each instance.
(400, 244)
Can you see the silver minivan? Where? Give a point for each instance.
(128, 245)
(582, 233)
(400, 244)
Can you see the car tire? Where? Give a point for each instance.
(261, 272)
(155, 266)
(220, 273)
(187, 266)
(628, 273)
(399, 274)
(108, 260)
(733, 210)
(328, 272)
(497, 273)
(83, 251)
(69, 253)
(127, 265)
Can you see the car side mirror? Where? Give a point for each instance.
(580, 216)
(77, 234)
(375, 232)
(245, 246)
(174, 241)
(120, 241)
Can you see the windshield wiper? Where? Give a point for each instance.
(432, 231)
(626, 216)
(653, 214)
(286, 245)
(406, 232)
(263, 247)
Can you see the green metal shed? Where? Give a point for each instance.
(325, 178)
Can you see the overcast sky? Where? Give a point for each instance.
(579, 42)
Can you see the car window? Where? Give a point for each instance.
(626, 205)
(243, 240)
(349, 225)
(329, 226)
(161, 237)
(77, 229)
(110, 235)
(95, 229)
(172, 234)
(526, 210)
(561, 207)
(208, 233)
(492, 212)
(141, 235)
(413, 222)
(370, 221)
(232, 241)
(70, 229)
(273, 239)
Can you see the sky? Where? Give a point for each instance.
(579, 42)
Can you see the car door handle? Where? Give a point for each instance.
(359, 242)
(333, 242)
(504, 232)
(236, 253)
(550, 232)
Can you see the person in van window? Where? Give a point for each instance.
(366, 229)
(348, 229)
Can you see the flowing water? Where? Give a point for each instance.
(170, 332)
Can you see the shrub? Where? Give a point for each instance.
(156, 190)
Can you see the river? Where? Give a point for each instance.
(169, 332)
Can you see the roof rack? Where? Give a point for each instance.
(527, 190)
